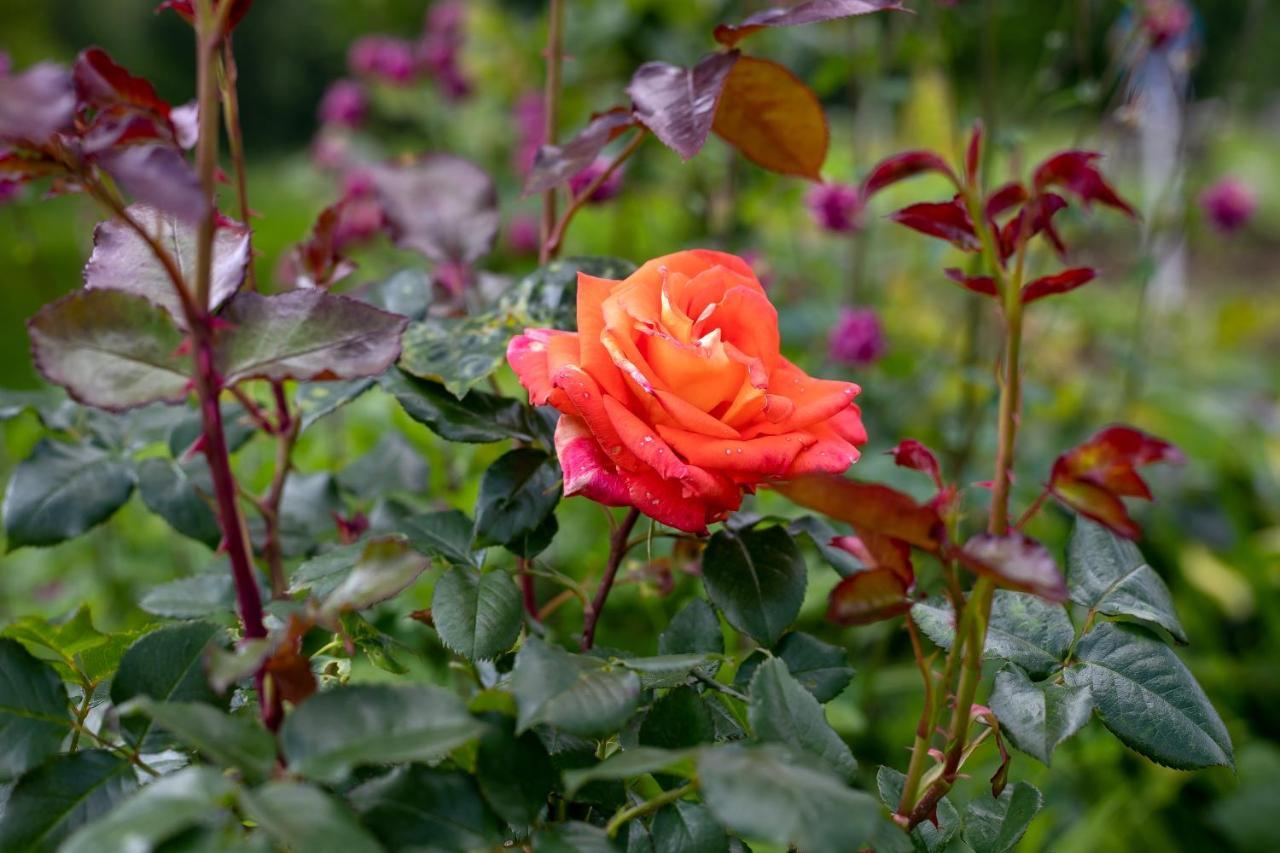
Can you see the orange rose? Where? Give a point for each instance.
(675, 396)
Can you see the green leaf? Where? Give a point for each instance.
(77, 650)
(393, 465)
(769, 793)
(230, 740)
(631, 763)
(694, 630)
(110, 349)
(385, 568)
(315, 400)
(997, 824)
(378, 647)
(678, 720)
(190, 797)
(514, 772)
(181, 495)
(670, 670)
(1149, 699)
(783, 711)
(61, 491)
(302, 817)
(61, 795)
(33, 711)
(581, 695)
(757, 579)
(236, 424)
(210, 594)
(1108, 574)
(446, 535)
(458, 352)
(407, 293)
(548, 296)
(476, 418)
(517, 493)
(573, 837)
(1037, 716)
(168, 666)
(416, 805)
(685, 827)
(477, 615)
(821, 668)
(306, 335)
(927, 836)
(1024, 629)
(337, 730)
(323, 573)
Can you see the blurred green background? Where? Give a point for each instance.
(1198, 364)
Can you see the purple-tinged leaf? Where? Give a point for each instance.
(1075, 170)
(984, 284)
(1036, 216)
(307, 335)
(947, 220)
(110, 349)
(36, 103)
(101, 82)
(812, 12)
(442, 206)
(555, 164)
(123, 261)
(1062, 282)
(867, 597)
(159, 176)
(973, 155)
(679, 104)
(905, 165)
(1005, 199)
(122, 125)
(1015, 561)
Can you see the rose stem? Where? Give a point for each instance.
(551, 116)
(552, 244)
(617, 548)
(235, 143)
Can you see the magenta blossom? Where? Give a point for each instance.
(344, 104)
(1165, 20)
(523, 235)
(390, 60)
(857, 338)
(611, 186)
(1229, 204)
(836, 207)
(441, 43)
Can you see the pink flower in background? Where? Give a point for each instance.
(388, 59)
(523, 234)
(836, 207)
(453, 278)
(607, 190)
(344, 104)
(5, 64)
(857, 338)
(1165, 20)
(442, 39)
(1229, 204)
(9, 190)
(529, 116)
(760, 266)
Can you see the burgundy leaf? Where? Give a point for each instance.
(555, 164)
(122, 260)
(100, 82)
(1075, 171)
(912, 454)
(1062, 282)
(867, 597)
(679, 104)
(811, 12)
(946, 220)
(1015, 561)
(1005, 199)
(442, 206)
(984, 284)
(121, 126)
(1037, 215)
(186, 8)
(905, 165)
(973, 155)
(158, 175)
(36, 103)
(307, 335)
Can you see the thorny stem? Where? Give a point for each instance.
(1031, 510)
(648, 807)
(552, 245)
(551, 117)
(207, 31)
(924, 729)
(81, 713)
(617, 547)
(286, 431)
(235, 144)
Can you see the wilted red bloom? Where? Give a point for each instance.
(836, 207)
(383, 57)
(1229, 204)
(912, 454)
(611, 186)
(344, 104)
(1093, 477)
(1165, 20)
(675, 396)
(857, 338)
(523, 235)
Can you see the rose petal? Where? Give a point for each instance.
(639, 438)
(587, 471)
(770, 456)
(595, 359)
